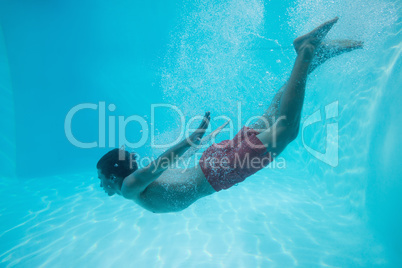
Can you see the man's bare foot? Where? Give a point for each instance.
(313, 39)
(336, 47)
(333, 48)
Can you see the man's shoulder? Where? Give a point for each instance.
(130, 187)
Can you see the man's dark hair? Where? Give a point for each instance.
(117, 162)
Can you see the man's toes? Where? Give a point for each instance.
(323, 30)
(350, 44)
(359, 44)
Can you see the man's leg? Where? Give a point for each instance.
(324, 52)
(290, 104)
(268, 118)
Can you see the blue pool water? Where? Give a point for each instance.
(335, 201)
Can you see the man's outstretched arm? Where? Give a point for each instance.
(139, 180)
(205, 140)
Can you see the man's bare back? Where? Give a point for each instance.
(175, 190)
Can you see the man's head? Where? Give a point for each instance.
(113, 167)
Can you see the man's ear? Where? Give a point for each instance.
(113, 177)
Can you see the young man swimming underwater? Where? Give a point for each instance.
(159, 189)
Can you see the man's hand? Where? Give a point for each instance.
(195, 138)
